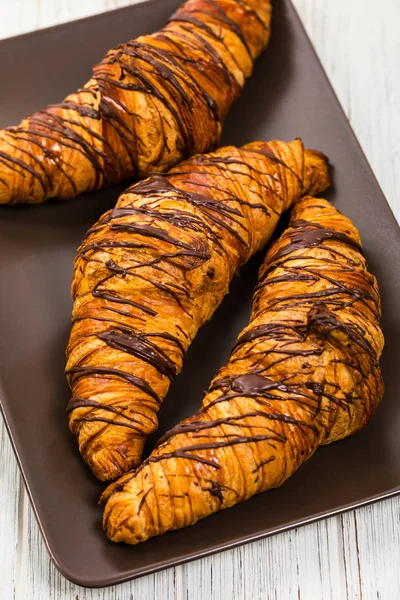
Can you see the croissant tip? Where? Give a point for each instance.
(317, 172)
(320, 155)
(107, 493)
(102, 501)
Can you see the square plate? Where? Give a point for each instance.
(288, 96)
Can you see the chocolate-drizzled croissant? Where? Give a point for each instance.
(153, 270)
(150, 104)
(304, 372)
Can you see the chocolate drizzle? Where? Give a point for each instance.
(215, 490)
(326, 322)
(187, 452)
(143, 348)
(250, 384)
(138, 382)
(304, 234)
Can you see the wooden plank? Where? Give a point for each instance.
(353, 556)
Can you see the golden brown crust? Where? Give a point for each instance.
(153, 270)
(150, 104)
(304, 372)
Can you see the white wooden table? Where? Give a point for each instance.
(353, 556)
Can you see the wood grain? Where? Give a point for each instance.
(353, 556)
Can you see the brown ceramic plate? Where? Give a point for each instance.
(288, 96)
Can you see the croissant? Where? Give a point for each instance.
(153, 270)
(150, 104)
(304, 372)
